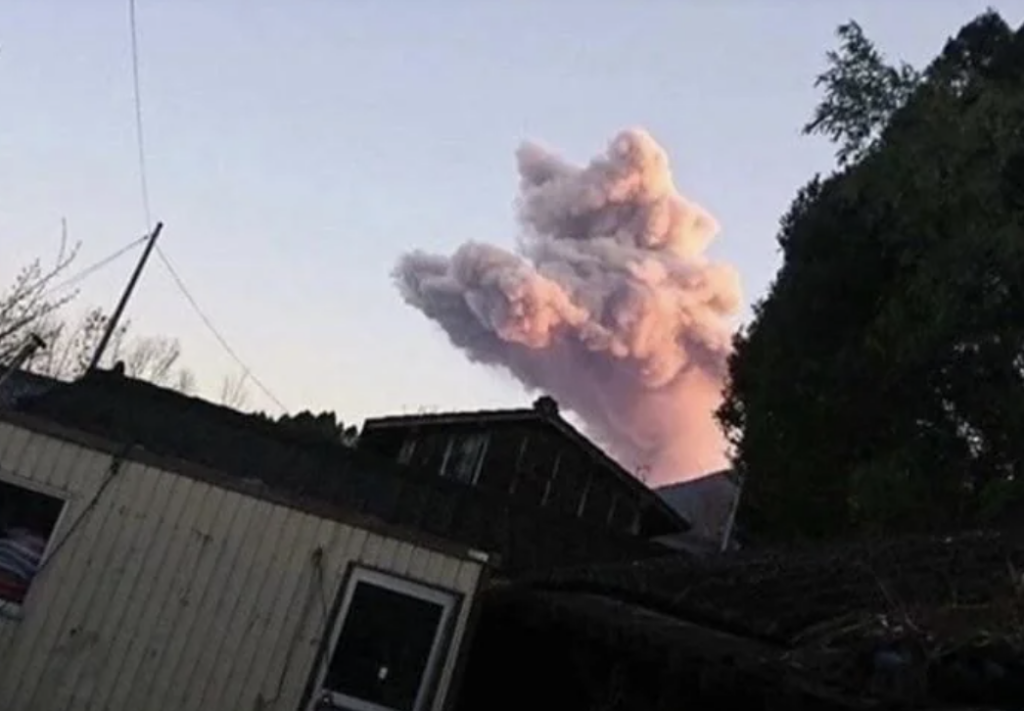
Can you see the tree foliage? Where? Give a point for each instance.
(324, 426)
(861, 94)
(880, 386)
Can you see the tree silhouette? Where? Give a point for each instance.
(880, 386)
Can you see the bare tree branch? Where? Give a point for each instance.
(71, 345)
(233, 392)
(32, 298)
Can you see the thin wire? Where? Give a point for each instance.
(116, 464)
(139, 134)
(246, 370)
(144, 186)
(65, 284)
(94, 267)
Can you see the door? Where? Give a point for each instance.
(391, 646)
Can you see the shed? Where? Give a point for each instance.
(141, 580)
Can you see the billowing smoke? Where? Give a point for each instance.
(609, 304)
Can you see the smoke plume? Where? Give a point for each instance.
(609, 304)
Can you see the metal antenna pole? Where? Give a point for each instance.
(116, 316)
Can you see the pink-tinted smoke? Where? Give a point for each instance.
(609, 305)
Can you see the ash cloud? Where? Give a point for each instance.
(609, 304)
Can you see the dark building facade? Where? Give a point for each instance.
(533, 458)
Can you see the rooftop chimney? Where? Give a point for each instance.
(546, 406)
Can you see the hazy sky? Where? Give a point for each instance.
(296, 148)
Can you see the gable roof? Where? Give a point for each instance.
(546, 415)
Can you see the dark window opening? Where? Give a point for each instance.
(566, 486)
(424, 450)
(535, 466)
(27, 521)
(499, 467)
(463, 458)
(624, 514)
(406, 451)
(389, 646)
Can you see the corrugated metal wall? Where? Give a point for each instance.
(170, 594)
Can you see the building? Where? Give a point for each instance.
(534, 462)
(709, 503)
(155, 553)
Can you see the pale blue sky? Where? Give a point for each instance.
(296, 148)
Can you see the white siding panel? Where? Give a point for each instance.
(12, 442)
(166, 593)
(403, 558)
(174, 553)
(62, 592)
(241, 605)
(466, 577)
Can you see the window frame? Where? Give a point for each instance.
(448, 600)
(482, 439)
(10, 608)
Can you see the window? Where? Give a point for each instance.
(535, 465)
(424, 450)
(566, 485)
(624, 514)
(391, 644)
(464, 457)
(408, 447)
(27, 521)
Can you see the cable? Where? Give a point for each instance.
(18, 325)
(144, 187)
(94, 267)
(246, 370)
(139, 134)
(116, 464)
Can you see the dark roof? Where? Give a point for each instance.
(22, 383)
(546, 414)
(781, 595)
(939, 606)
(303, 469)
(577, 652)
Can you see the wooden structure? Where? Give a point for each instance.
(552, 482)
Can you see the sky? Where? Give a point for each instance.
(296, 149)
